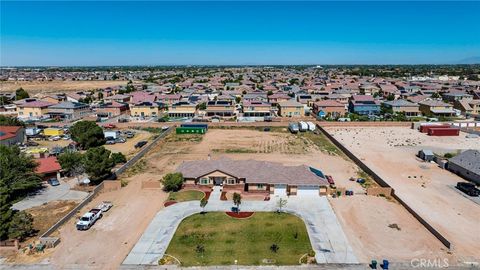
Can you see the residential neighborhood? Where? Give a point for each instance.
(227, 135)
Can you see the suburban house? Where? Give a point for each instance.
(67, 110)
(169, 98)
(342, 98)
(118, 98)
(467, 165)
(252, 176)
(291, 108)
(256, 109)
(33, 110)
(277, 98)
(111, 109)
(333, 108)
(220, 108)
(456, 96)
(364, 105)
(468, 107)
(147, 109)
(182, 109)
(11, 135)
(48, 167)
(402, 106)
(436, 108)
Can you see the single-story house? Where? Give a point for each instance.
(252, 176)
(48, 167)
(11, 135)
(467, 165)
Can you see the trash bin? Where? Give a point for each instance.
(373, 265)
(385, 264)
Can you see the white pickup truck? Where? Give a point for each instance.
(89, 218)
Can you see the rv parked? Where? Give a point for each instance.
(311, 126)
(302, 126)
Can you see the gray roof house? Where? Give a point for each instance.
(253, 176)
(467, 165)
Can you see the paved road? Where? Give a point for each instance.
(326, 235)
(49, 193)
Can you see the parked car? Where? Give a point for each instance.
(140, 144)
(109, 126)
(110, 142)
(120, 140)
(293, 127)
(32, 143)
(89, 218)
(53, 182)
(54, 138)
(66, 137)
(468, 188)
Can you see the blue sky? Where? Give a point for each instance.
(243, 33)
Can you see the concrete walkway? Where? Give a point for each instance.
(325, 233)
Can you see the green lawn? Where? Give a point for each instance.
(226, 239)
(187, 195)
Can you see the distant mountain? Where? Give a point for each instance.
(470, 60)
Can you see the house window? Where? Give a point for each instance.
(231, 181)
(204, 181)
(260, 186)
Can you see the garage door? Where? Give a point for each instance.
(308, 191)
(280, 190)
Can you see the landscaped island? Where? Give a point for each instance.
(218, 239)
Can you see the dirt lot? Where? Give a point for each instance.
(115, 234)
(268, 146)
(57, 86)
(390, 152)
(128, 148)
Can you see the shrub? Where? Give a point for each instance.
(118, 158)
(172, 182)
(311, 253)
(274, 248)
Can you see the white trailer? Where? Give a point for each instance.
(311, 126)
(112, 134)
(302, 126)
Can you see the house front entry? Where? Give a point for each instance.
(218, 181)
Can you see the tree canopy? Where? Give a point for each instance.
(172, 182)
(70, 161)
(17, 178)
(98, 163)
(10, 121)
(87, 134)
(20, 93)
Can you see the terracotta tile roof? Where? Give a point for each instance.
(7, 132)
(35, 104)
(47, 165)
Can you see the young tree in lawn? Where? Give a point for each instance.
(87, 134)
(98, 164)
(203, 203)
(237, 199)
(172, 182)
(281, 203)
